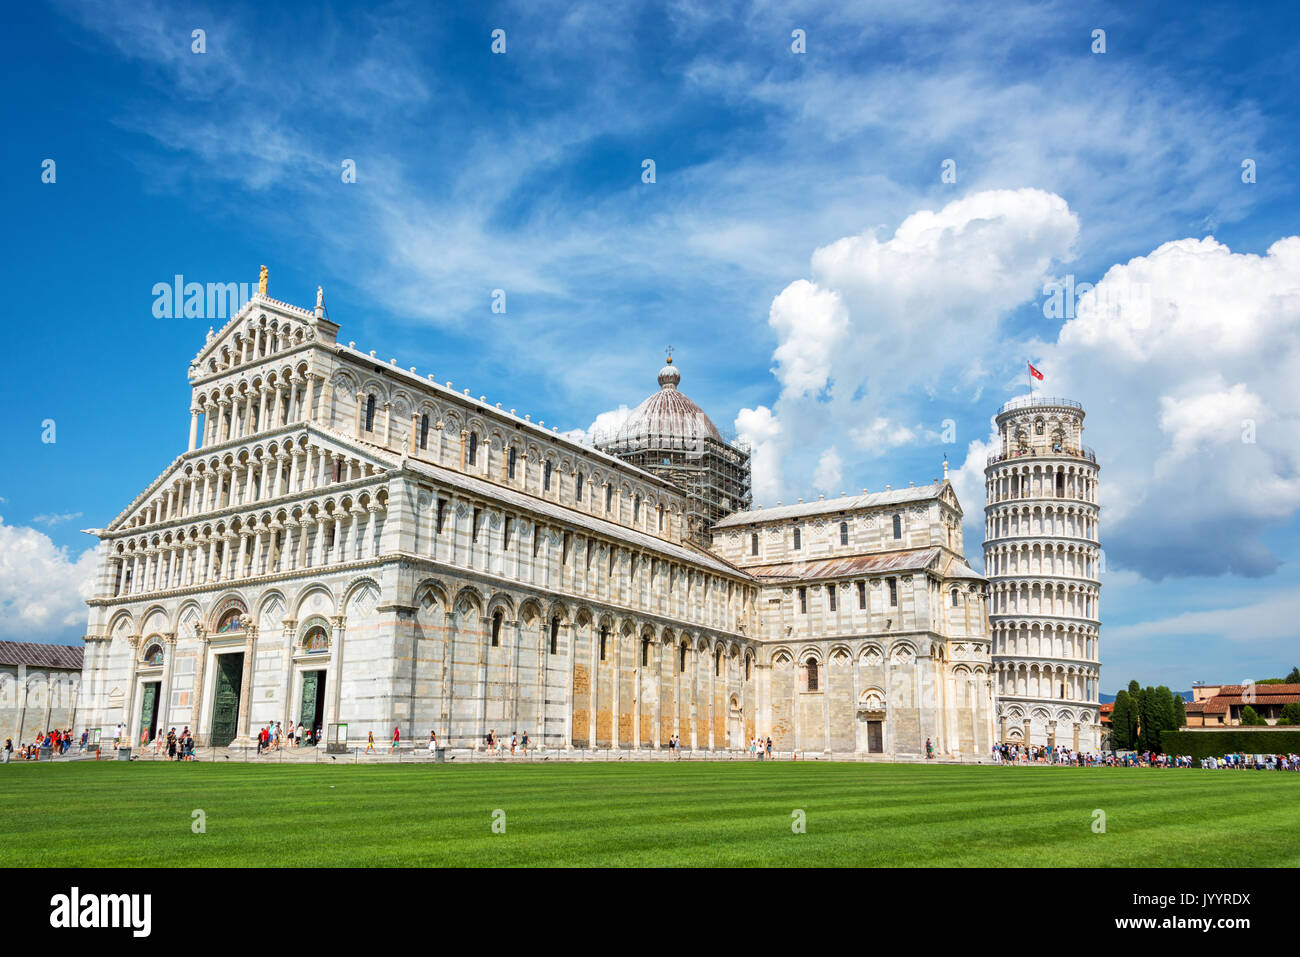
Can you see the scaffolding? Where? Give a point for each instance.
(712, 473)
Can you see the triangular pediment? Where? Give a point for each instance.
(262, 322)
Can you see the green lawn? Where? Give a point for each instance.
(138, 814)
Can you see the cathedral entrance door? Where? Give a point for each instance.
(225, 708)
(312, 709)
(876, 737)
(149, 709)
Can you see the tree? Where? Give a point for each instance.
(1121, 723)
(1250, 718)
(1180, 712)
(1294, 677)
(1165, 710)
(1290, 714)
(1150, 719)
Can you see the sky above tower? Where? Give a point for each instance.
(856, 224)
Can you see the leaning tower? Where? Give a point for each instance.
(1042, 557)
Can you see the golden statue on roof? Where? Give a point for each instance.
(261, 281)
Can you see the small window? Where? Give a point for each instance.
(844, 533)
(798, 539)
(473, 528)
(505, 532)
(681, 661)
(717, 663)
(954, 598)
(830, 594)
(510, 463)
(441, 513)
(496, 628)
(577, 489)
(893, 592)
(604, 634)
(898, 526)
(753, 543)
(862, 594)
(645, 652)
(424, 431)
(370, 413)
(609, 497)
(803, 600)
(636, 509)
(812, 674)
(555, 634)
(473, 447)
(546, 477)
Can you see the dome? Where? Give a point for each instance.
(668, 416)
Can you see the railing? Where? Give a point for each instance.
(1032, 401)
(1081, 451)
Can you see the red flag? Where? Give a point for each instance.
(1034, 372)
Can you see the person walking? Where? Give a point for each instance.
(370, 743)
(433, 742)
(397, 735)
(523, 743)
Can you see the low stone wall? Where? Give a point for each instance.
(359, 755)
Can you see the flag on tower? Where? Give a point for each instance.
(1034, 372)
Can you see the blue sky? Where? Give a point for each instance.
(829, 296)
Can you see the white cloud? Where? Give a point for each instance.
(882, 320)
(763, 432)
(42, 589)
(1190, 394)
(1193, 403)
(882, 434)
(605, 424)
(1270, 619)
(830, 471)
(809, 322)
(51, 520)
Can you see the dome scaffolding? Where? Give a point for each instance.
(670, 436)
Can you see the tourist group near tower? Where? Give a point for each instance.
(350, 546)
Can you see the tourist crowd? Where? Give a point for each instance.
(273, 737)
(1047, 754)
(56, 742)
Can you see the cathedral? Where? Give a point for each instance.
(353, 546)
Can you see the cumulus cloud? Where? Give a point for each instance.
(830, 472)
(760, 429)
(604, 424)
(42, 587)
(1189, 389)
(881, 320)
(1193, 395)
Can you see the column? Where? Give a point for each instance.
(242, 737)
(334, 677)
(200, 665)
(194, 428)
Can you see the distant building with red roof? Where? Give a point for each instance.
(1220, 706)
